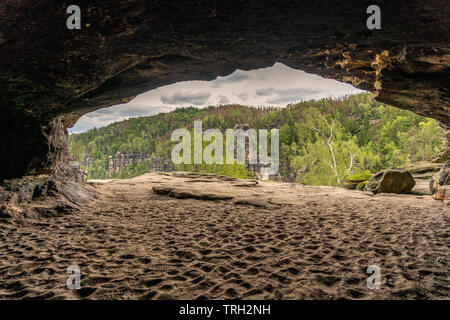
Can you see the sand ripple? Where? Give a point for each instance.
(260, 241)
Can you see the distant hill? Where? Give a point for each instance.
(366, 134)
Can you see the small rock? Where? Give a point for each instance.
(9, 211)
(162, 190)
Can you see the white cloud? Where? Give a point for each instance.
(186, 97)
(243, 96)
(236, 76)
(277, 85)
(222, 99)
(103, 117)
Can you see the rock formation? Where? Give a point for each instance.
(442, 193)
(122, 160)
(445, 154)
(45, 195)
(440, 182)
(158, 164)
(391, 181)
(258, 171)
(50, 76)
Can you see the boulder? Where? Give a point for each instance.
(442, 178)
(391, 181)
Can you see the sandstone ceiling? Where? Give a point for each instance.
(50, 76)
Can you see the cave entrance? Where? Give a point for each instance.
(330, 133)
(111, 60)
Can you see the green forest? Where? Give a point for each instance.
(323, 142)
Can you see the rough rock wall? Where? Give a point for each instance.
(122, 160)
(440, 184)
(29, 146)
(445, 154)
(51, 75)
(158, 164)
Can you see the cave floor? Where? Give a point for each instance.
(218, 238)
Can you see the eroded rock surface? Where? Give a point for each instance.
(45, 195)
(441, 179)
(206, 187)
(445, 154)
(442, 193)
(125, 48)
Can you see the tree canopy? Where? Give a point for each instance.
(323, 141)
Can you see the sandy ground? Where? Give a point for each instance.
(248, 241)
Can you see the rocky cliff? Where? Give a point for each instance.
(50, 76)
(158, 164)
(445, 154)
(122, 160)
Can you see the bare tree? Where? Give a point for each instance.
(327, 137)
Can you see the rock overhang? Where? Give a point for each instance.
(50, 76)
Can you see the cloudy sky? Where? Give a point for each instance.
(278, 85)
